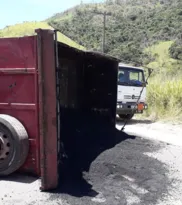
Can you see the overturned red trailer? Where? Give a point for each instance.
(42, 83)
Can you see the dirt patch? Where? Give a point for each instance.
(117, 172)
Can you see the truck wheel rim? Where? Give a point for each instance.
(4, 146)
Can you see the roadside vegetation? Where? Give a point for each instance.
(139, 33)
(165, 85)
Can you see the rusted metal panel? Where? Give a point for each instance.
(47, 109)
(18, 90)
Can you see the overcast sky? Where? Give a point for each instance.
(17, 11)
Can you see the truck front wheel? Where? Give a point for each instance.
(126, 116)
(14, 144)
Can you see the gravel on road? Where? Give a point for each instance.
(123, 170)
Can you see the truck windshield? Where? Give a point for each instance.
(130, 77)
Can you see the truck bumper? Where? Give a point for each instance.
(130, 108)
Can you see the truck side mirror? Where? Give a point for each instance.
(145, 83)
(150, 70)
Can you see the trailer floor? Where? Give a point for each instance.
(128, 172)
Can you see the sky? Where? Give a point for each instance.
(18, 11)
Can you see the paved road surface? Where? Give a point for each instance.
(132, 171)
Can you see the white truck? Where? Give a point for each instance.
(130, 100)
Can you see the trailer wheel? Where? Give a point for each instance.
(14, 144)
(126, 117)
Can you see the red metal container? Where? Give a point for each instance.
(31, 92)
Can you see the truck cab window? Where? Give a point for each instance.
(121, 77)
(136, 77)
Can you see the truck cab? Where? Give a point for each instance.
(131, 95)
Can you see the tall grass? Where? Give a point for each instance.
(164, 91)
(164, 97)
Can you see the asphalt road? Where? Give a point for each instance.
(143, 168)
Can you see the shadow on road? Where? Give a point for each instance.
(133, 121)
(20, 178)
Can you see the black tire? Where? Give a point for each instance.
(14, 140)
(126, 116)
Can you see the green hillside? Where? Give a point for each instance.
(132, 26)
(165, 86)
(28, 28)
(162, 62)
(138, 32)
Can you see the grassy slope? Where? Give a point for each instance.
(133, 25)
(163, 61)
(62, 17)
(68, 14)
(28, 29)
(165, 88)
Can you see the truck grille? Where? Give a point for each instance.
(130, 97)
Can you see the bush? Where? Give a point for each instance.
(176, 50)
(164, 97)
